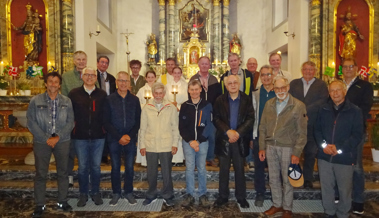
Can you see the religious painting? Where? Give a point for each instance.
(193, 15)
(194, 55)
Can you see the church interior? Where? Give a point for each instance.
(41, 36)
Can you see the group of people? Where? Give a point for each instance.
(249, 116)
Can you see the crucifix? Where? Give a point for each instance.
(127, 34)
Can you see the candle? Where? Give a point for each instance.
(1, 68)
(98, 28)
(333, 64)
(49, 65)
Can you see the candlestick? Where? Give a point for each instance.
(174, 91)
(98, 28)
(147, 95)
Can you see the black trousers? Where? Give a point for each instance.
(310, 152)
(239, 173)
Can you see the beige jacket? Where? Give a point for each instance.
(159, 130)
(288, 129)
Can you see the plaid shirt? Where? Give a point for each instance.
(53, 105)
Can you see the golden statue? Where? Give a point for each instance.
(348, 36)
(235, 45)
(31, 29)
(152, 48)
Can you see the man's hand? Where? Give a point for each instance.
(232, 135)
(52, 141)
(142, 151)
(294, 159)
(251, 144)
(262, 155)
(330, 149)
(125, 139)
(195, 145)
(174, 150)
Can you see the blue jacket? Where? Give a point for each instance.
(344, 130)
(195, 120)
(122, 116)
(39, 118)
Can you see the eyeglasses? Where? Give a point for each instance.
(232, 83)
(89, 75)
(123, 81)
(104, 62)
(346, 67)
(283, 88)
(266, 74)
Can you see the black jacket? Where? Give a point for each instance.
(248, 82)
(195, 120)
(245, 124)
(122, 116)
(214, 89)
(344, 130)
(111, 79)
(88, 113)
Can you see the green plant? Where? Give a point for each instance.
(23, 86)
(375, 136)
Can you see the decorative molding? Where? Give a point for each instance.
(162, 2)
(226, 2)
(216, 2)
(171, 2)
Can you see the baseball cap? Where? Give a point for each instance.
(295, 175)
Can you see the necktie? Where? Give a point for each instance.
(103, 82)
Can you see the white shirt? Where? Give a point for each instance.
(307, 85)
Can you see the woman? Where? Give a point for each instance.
(150, 79)
(159, 137)
(181, 97)
(194, 127)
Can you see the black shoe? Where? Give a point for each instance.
(220, 202)
(358, 208)
(259, 199)
(308, 184)
(169, 202)
(104, 160)
(243, 203)
(64, 206)
(38, 211)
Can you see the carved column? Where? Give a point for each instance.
(217, 31)
(225, 31)
(162, 29)
(67, 36)
(315, 37)
(171, 29)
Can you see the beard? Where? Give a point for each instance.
(281, 93)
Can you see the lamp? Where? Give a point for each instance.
(286, 33)
(95, 34)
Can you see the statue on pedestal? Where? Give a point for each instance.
(348, 36)
(235, 45)
(152, 48)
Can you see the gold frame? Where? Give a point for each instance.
(9, 31)
(181, 23)
(371, 31)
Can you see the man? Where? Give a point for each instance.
(210, 90)
(50, 120)
(360, 93)
(264, 93)
(252, 66)
(122, 116)
(108, 84)
(338, 132)
(137, 80)
(170, 65)
(275, 60)
(88, 103)
(234, 121)
(282, 137)
(246, 79)
(313, 93)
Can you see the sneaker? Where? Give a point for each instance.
(70, 182)
(358, 208)
(97, 199)
(203, 201)
(83, 198)
(130, 198)
(188, 200)
(114, 200)
(64, 206)
(148, 201)
(259, 199)
(336, 200)
(169, 202)
(220, 202)
(38, 211)
(243, 203)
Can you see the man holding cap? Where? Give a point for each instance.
(338, 132)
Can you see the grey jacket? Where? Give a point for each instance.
(39, 118)
(288, 129)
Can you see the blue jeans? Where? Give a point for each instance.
(196, 159)
(259, 167)
(359, 175)
(129, 152)
(89, 154)
(211, 143)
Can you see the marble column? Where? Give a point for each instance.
(171, 29)
(225, 31)
(217, 31)
(315, 37)
(162, 29)
(67, 36)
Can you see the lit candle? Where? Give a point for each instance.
(376, 64)
(333, 64)
(1, 68)
(98, 28)
(49, 65)
(147, 93)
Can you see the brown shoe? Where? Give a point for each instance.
(287, 214)
(273, 210)
(212, 163)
